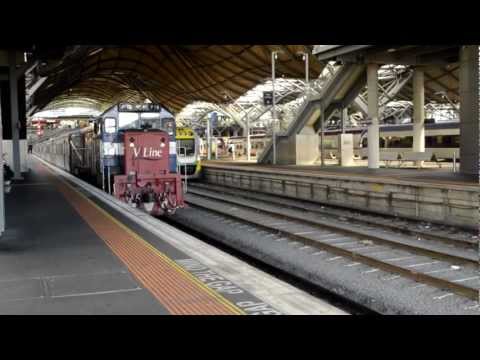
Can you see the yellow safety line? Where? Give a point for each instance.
(172, 263)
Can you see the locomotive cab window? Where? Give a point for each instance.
(110, 125)
(150, 121)
(128, 121)
(169, 125)
(188, 145)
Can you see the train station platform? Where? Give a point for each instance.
(69, 248)
(436, 195)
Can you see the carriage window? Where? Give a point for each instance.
(127, 121)
(447, 141)
(456, 140)
(110, 125)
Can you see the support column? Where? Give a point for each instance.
(373, 131)
(209, 139)
(2, 185)
(418, 112)
(249, 144)
(344, 119)
(322, 136)
(469, 114)
(12, 62)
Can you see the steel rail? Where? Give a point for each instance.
(460, 289)
(351, 232)
(390, 226)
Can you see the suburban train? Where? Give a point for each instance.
(129, 151)
(257, 145)
(188, 153)
(442, 139)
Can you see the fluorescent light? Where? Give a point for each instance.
(95, 52)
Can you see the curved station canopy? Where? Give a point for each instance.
(230, 78)
(174, 76)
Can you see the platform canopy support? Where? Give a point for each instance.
(418, 111)
(2, 185)
(373, 131)
(344, 115)
(469, 115)
(12, 63)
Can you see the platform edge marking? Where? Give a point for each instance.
(232, 307)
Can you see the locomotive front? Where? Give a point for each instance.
(148, 183)
(139, 155)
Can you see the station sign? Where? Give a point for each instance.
(213, 120)
(268, 98)
(125, 107)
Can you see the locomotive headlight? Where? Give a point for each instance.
(132, 140)
(131, 177)
(162, 144)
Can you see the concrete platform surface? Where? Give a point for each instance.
(432, 195)
(67, 251)
(429, 175)
(52, 262)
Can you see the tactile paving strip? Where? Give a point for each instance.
(179, 291)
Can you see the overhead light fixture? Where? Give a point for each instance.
(95, 51)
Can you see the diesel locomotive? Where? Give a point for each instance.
(129, 151)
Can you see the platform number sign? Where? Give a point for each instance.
(268, 98)
(213, 120)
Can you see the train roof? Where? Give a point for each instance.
(151, 108)
(64, 132)
(244, 137)
(403, 127)
(383, 128)
(434, 126)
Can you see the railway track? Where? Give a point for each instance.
(448, 235)
(443, 262)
